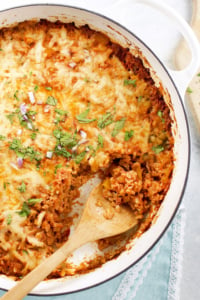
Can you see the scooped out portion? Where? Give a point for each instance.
(75, 105)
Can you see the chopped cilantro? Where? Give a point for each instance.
(25, 211)
(11, 117)
(118, 126)
(24, 119)
(5, 185)
(189, 90)
(130, 82)
(65, 139)
(33, 135)
(105, 120)
(48, 88)
(22, 187)
(16, 95)
(2, 137)
(36, 87)
(51, 101)
(93, 151)
(128, 135)
(160, 114)
(80, 157)
(82, 118)
(33, 201)
(139, 98)
(62, 151)
(100, 141)
(8, 219)
(31, 113)
(61, 112)
(158, 149)
(57, 167)
(25, 152)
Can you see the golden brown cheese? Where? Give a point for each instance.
(73, 104)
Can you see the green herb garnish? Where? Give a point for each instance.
(189, 90)
(62, 152)
(160, 114)
(82, 118)
(16, 95)
(25, 211)
(65, 139)
(139, 98)
(105, 120)
(118, 126)
(100, 141)
(22, 187)
(2, 137)
(25, 152)
(130, 82)
(36, 87)
(52, 101)
(5, 185)
(8, 219)
(80, 157)
(158, 149)
(48, 88)
(128, 135)
(61, 112)
(57, 167)
(33, 201)
(10, 117)
(33, 135)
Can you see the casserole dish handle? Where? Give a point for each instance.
(183, 77)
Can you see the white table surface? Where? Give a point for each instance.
(161, 36)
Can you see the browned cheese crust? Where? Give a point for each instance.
(74, 104)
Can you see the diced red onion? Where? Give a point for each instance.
(20, 162)
(83, 134)
(19, 131)
(23, 108)
(87, 149)
(46, 109)
(25, 117)
(14, 166)
(29, 125)
(83, 141)
(74, 148)
(49, 154)
(72, 64)
(59, 147)
(31, 97)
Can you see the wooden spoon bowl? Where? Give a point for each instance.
(99, 220)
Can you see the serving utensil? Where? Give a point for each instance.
(99, 220)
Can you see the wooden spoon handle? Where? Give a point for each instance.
(24, 286)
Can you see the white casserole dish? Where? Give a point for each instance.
(174, 83)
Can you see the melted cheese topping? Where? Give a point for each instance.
(67, 102)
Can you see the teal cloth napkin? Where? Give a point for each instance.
(155, 277)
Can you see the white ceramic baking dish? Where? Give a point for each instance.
(173, 82)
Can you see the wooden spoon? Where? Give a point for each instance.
(99, 220)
